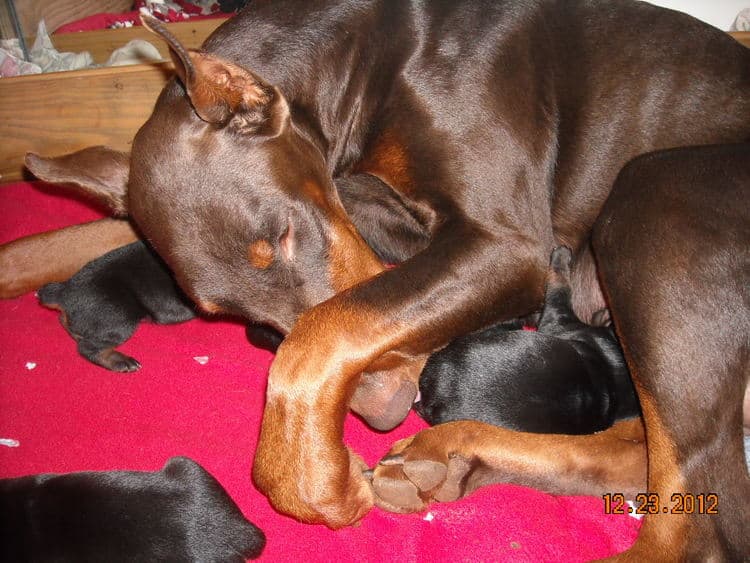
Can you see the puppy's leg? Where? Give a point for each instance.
(173, 311)
(558, 308)
(98, 338)
(106, 356)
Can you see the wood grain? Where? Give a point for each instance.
(61, 112)
(101, 43)
(61, 12)
(742, 36)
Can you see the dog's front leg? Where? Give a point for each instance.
(464, 280)
(449, 461)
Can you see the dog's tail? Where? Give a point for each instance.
(50, 294)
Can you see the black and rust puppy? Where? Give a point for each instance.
(103, 303)
(567, 377)
(180, 513)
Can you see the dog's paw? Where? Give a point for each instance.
(420, 470)
(337, 494)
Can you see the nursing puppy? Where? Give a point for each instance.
(102, 305)
(567, 377)
(180, 513)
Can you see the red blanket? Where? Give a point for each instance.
(69, 415)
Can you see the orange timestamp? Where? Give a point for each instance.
(651, 503)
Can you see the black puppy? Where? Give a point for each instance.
(180, 513)
(104, 302)
(567, 377)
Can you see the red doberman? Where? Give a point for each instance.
(673, 243)
(500, 127)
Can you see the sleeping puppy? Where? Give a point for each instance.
(180, 513)
(103, 303)
(567, 377)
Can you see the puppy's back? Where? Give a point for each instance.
(180, 513)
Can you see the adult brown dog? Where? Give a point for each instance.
(500, 126)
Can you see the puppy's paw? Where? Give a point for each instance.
(601, 318)
(116, 361)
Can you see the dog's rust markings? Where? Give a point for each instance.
(388, 159)
(304, 415)
(116, 361)
(666, 532)
(224, 83)
(351, 260)
(261, 254)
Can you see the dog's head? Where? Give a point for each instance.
(231, 193)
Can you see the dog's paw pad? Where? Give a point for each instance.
(426, 474)
(396, 459)
(394, 492)
(452, 489)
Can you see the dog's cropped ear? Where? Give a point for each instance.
(222, 92)
(98, 172)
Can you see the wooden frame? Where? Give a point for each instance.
(63, 112)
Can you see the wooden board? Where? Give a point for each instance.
(62, 112)
(101, 43)
(742, 36)
(61, 12)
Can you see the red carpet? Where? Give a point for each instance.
(69, 415)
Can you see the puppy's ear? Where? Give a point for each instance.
(98, 172)
(222, 92)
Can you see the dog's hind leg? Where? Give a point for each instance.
(679, 287)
